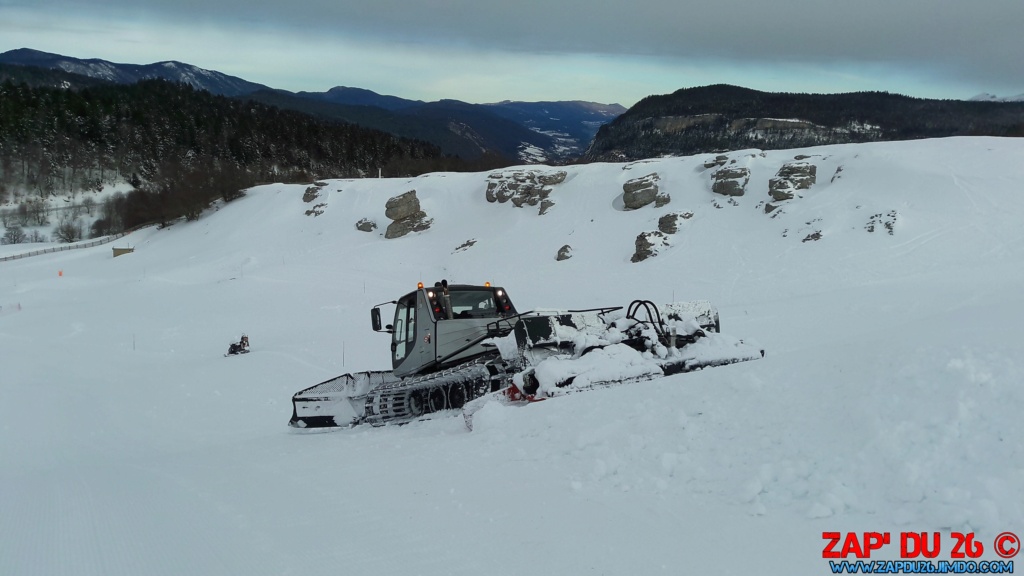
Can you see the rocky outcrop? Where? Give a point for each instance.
(669, 223)
(648, 244)
(550, 179)
(366, 225)
(313, 192)
(406, 214)
(465, 245)
(418, 222)
(677, 124)
(564, 253)
(524, 188)
(719, 160)
(640, 192)
(730, 181)
(765, 127)
(791, 178)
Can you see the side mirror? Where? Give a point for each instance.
(375, 319)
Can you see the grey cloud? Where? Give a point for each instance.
(975, 41)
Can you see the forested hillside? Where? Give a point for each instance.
(723, 117)
(528, 132)
(179, 148)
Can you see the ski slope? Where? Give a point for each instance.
(889, 398)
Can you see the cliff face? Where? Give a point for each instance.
(718, 118)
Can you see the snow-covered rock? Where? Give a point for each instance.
(640, 192)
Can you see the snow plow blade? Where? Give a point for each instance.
(576, 350)
(576, 365)
(338, 401)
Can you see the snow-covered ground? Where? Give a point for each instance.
(890, 397)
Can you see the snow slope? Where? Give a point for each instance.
(889, 398)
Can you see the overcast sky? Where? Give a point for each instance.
(485, 51)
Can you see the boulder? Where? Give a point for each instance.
(730, 181)
(417, 222)
(640, 192)
(781, 189)
(802, 174)
(311, 193)
(790, 178)
(404, 209)
(647, 244)
(716, 161)
(366, 225)
(564, 253)
(402, 206)
(669, 223)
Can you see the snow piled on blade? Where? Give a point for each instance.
(587, 330)
(610, 364)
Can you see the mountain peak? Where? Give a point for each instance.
(986, 97)
(202, 79)
(362, 97)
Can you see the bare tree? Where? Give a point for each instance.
(38, 211)
(14, 235)
(88, 204)
(69, 230)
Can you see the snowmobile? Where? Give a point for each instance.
(454, 343)
(240, 347)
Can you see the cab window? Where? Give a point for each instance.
(404, 335)
(473, 304)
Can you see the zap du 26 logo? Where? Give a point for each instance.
(915, 545)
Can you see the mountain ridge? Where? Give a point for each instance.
(522, 132)
(201, 78)
(727, 117)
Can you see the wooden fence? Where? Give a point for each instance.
(75, 246)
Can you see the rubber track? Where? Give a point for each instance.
(412, 398)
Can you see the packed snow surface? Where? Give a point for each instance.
(888, 297)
